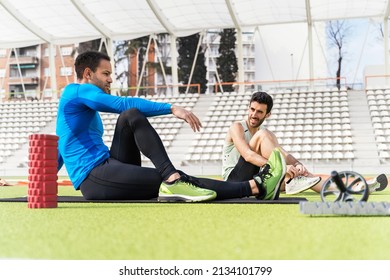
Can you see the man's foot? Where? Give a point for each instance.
(377, 184)
(300, 184)
(271, 176)
(184, 190)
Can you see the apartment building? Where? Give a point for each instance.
(25, 72)
(211, 45)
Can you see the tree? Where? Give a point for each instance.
(92, 45)
(121, 62)
(338, 32)
(132, 54)
(137, 53)
(227, 60)
(187, 51)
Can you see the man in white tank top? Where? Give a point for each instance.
(248, 146)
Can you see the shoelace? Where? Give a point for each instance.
(299, 179)
(190, 181)
(265, 173)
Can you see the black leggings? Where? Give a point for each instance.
(122, 177)
(243, 171)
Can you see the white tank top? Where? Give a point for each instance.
(231, 155)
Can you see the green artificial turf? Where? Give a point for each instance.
(186, 231)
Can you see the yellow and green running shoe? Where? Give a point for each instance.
(184, 190)
(271, 176)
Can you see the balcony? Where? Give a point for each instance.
(26, 80)
(24, 60)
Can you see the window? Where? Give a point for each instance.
(46, 51)
(47, 93)
(66, 71)
(46, 72)
(2, 73)
(66, 50)
(3, 52)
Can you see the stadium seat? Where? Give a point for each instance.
(349, 155)
(338, 155)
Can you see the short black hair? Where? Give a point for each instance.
(263, 98)
(88, 59)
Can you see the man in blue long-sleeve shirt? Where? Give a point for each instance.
(116, 173)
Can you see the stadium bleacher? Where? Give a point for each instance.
(167, 126)
(20, 119)
(310, 125)
(378, 104)
(313, 126)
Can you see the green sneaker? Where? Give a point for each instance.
(184, 190)
(271, 176)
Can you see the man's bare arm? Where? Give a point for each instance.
(236, 133)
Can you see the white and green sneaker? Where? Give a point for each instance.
(300, 184)
(271, 176)
(377, 184)
(184, 190)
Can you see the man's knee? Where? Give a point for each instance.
(132, 116)
(263, 142)
(130, 113)
(262, 135)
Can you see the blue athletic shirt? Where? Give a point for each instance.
(80, 128)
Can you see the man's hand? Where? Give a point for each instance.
(302, 170)
(187, 116)
(297, 170)
(291, 171)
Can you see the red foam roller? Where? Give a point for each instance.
(41, 185)
(52, 204)
(43, 191)
(43, 143)
(43, 151)
(40, 177)
(43, 136)
(43, 163)
(39, 150)
(37, 185)
(42, 170)
(43, 156)
(42, 198)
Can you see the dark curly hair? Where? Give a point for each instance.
(263, 98)
(88, 59)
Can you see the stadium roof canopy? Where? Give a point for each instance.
(30, 22)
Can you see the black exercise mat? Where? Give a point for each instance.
(247, 200)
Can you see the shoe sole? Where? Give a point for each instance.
(382, 180)
(276, 195)
(308, 187)
(184, 198)
(278, 185)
